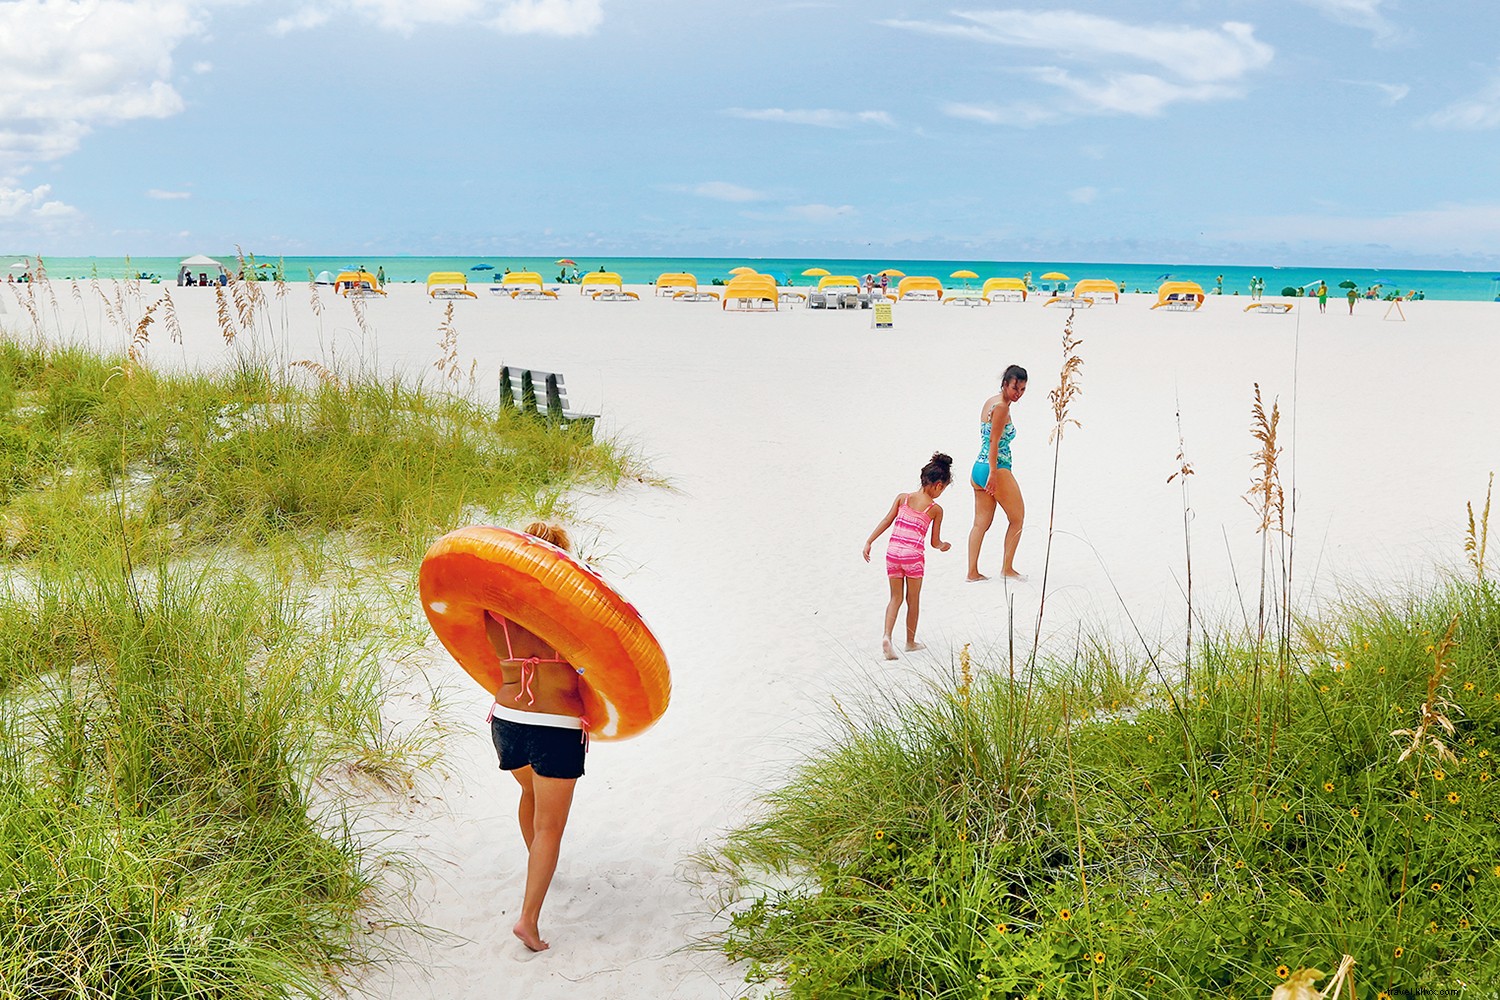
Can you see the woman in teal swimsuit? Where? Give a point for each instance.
(994, 484)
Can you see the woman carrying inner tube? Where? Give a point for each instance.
(540, 734)
(994, 483)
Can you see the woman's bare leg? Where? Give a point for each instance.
(553, 798)
(892, 606)
(1008, 495)
(984, 516)
(913, 608)
(526, 812)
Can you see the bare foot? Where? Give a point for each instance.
(529, 936)
(975, 578)
(1013, 575)
(914, 645)
(888, 650)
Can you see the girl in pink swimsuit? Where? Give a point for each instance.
(910, 516)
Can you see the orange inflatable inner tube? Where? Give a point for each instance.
(623, 676)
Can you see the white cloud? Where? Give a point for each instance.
(1481, 111)
(301, 20)
(1023, 115)
(1084, 195)
(67, 66)
(724, 191)
(161, 195)
(819, 213)
(1129, 93)
(821, 117)
(511, 17)
(550, 17)
(18, 203)
(1095, 61)
(1364, 14)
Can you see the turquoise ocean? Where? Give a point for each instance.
(1462, 285)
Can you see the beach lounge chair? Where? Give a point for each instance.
(1003, 290)
(965, 297)
(525, 285)
(919, 286)
(605, 286)
(751, 293)
(448, 285)
(357, 284)
(1181, 296)
(673, 283)
(1279, 308)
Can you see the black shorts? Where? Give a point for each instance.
(548, 750)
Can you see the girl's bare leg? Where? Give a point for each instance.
(984, 516)
(913, 608)
(892, 606)
(1008, 495)
(553, 798)
(526, 812)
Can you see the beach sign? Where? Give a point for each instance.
(883, 318)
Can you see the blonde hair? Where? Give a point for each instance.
(549, 532)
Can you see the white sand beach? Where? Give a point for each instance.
(783, 438)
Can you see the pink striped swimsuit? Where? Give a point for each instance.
(903, 556)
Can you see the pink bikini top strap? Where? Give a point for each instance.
(528, 665)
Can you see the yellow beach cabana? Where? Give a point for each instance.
(1087, 292)
(751, 292)
(1179, 295)
(837, 291)
(357, 283)
(1004, 289)
(525, 285)
(671, 284)
(1097, 289)
(448, 285)
(605, 286)
(920, 286)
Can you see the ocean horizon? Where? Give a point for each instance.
(1232, 279)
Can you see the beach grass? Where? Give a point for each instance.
(205, 574)
(159, 742)
(1141, 841)
(94, 446)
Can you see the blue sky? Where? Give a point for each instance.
(1358, 132)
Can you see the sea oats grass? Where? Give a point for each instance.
(1142, 850)
(208, 577)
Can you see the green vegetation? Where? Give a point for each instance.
(1090, 833)
(177, 683)
(253, 455)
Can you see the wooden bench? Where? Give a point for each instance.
(518, 388)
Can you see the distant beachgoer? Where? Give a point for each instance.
(380, 276)
(1219, 285)
(1323, 296)
(909, 518)
(885, 283)
(1352, 296)
(536, 725)
(994, 483)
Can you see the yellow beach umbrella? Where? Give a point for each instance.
(816, 272)
(963, 274)
(1054, 276)
(891, 272)
(742, 269)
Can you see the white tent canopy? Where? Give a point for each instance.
(199, 260)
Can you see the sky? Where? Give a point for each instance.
(1273, 132)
